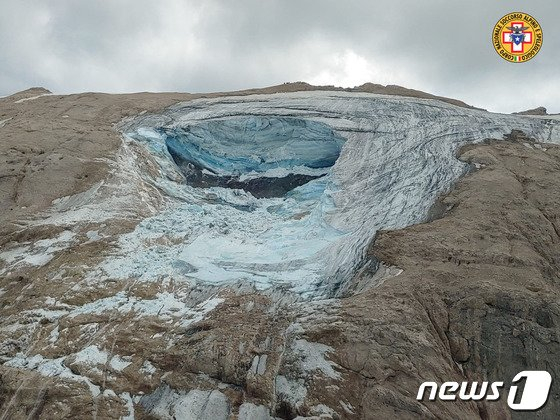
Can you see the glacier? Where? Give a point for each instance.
(247, 144)
(286, 191)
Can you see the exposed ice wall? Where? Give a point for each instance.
(222, 235)
(399, 154)
(254, 144)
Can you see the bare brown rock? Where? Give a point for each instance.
(402, 91)
(541, 110)
(478, 296)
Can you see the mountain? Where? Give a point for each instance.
(289, 251)
(541, 110)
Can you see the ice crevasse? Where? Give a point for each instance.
(287, 190)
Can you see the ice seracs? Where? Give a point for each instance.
(379, 163)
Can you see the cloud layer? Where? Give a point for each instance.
(439, 46)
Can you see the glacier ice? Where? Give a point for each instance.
(223, 234)
(370, 162)
(245, 144)
(264, 156)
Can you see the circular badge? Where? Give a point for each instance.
(517, 37)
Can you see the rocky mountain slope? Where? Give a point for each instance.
(148, 269)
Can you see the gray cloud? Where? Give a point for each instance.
(439, 46)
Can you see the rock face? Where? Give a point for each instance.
(417, 250)
(478, 295)
(541, 110)
(392, 90)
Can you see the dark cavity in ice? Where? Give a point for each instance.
(265, 156)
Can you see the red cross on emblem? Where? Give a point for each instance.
(507, 38)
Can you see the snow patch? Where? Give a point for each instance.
(125, 396)
(93, 235)
(32, 98)
(291, 391)
(38, 253)
(166, 305)
(147, 368)
(166, 403)
(91, 356)
(53, 336)
(312, 357)
(118, 363)
(51, 368)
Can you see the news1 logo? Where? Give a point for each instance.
(534, 394)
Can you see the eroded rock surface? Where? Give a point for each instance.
(478, 295)
(541, 110)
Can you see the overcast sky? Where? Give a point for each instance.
(439, 46)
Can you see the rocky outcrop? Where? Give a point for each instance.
(478, 295)
(402, 91)
(393, 90)
(541, 110)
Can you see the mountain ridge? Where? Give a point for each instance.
(462, 287)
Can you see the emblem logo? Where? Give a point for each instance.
(517, 37)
